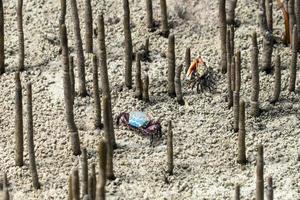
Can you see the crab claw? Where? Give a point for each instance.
(193, 66)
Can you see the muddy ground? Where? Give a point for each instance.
(205, 147)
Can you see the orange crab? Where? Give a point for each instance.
(197, 66)
(200, 75)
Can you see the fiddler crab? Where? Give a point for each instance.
(201, 76)
(141, 123)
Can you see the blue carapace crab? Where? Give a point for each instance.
(201, 76)
(141, 123)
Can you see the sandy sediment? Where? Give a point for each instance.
(205, 147)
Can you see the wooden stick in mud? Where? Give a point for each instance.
(63, 12)
(92, 182)
(2, 53)
(84, 169)
(149, 12)
(241, 136)
(146, 87)
(171, 66)
(170, 149)
(108, 136)
(70, 190)
(269, 14)
(72, 76)
(277, 81)
(293, 66)
(128, 45)
(236, 108)
(255, 111)
(75, 184)
(104, 73)
(88, 26)
(79, 49)
(187, 59)
(270, 192)
(138, 78)
(178, 90)
(292, 18)
(238, 62)
(222, 29)
(68, 97)
(237, 194)
(233, 73)
(267, 38)
(21, 35)
(30, 140)
(102, 154)
(232, 35)
(19, 137)
(164, 18)
(260, 173)
(229, 75)
(97, 102)
(297, 16)
(231, 12)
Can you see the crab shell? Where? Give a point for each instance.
(198, 66)
(153, 128)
